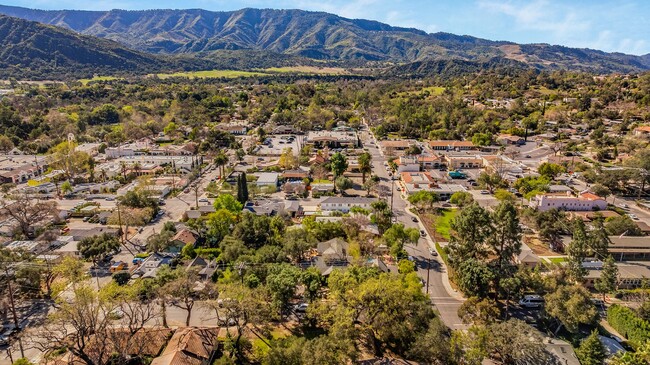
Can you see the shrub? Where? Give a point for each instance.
(629, 324)
(121, 278)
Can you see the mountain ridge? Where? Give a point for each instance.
(317, 35)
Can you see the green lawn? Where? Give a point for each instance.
(443, 222)
(212, 73)
(434, 90)
(558, 260)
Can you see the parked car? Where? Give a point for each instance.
(203, 200)
(414, 219)
(433, 251)
(423, 233)
(118, 266)
(532, 301)
(485, 192)
(633, 216)
(301, 308)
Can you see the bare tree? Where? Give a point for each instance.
(27, 213)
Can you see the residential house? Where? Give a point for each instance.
(182, 238)
(149, 267)
(509, 139)
(290, 208)
(583, 202)
(190, 346)
(528, 259)
(332, 254)
(642, 131)
(205, 267)
(237, 129)
(450, 145)
(416, 181)
(295, 175)
(343, 204)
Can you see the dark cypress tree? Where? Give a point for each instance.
(244, 188)
(240, 191)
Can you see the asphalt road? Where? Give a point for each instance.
(446, 303)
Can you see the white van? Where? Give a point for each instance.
(531, 301)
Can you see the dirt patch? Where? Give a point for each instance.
(539, 248)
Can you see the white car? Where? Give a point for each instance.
(301, 308)
(633, 216)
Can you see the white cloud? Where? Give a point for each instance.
(540, 15)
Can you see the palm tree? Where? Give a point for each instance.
(221, 160)
(102, 174)
(365, 165)
(123, 168)
(136, 168)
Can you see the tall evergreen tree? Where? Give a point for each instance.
(506, 238)
(606, 283)
(591, 350)
(599, 240)
(473, 227)
(577, 251)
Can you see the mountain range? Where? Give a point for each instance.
(316, 35)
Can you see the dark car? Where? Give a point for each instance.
(414, 219)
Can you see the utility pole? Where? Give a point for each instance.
(392, 192)
(428, 271)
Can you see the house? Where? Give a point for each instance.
(149, 267)
(343, 204)
(332, 254)
(295, 175)
(559, 189)
(450, 145)
(81, 233)
(291, 208)
(205, 268)
(190, 346)
(233, 128)
(184, 237)
(509, 139)
(322, 188)
(642, 131)
(568, 202)
(27, 246)
(528, 258)
(267, 179)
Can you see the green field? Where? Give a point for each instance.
(307, 70)
(443, 222)
(212, 74)
(98, 78)
(434, 90)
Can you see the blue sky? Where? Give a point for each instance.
(621, 26)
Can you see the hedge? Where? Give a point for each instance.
(629, 324)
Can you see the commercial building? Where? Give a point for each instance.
(18, 169)
(450, 145)
(333, 139)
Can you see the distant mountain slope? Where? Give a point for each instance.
(30, 48)
(312, 34)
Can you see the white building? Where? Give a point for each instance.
(583, 202)
(343, 204)
(267, 179)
